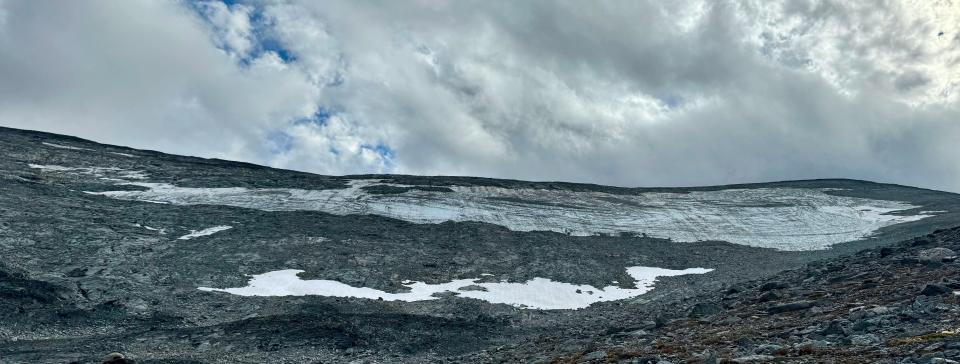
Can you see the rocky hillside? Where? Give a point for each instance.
(895, 304)
(162, 258)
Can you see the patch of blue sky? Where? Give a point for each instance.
(268, 44)
(261, 39)
(672, 101)
(319, 118)
(384, 151)
(279, 142)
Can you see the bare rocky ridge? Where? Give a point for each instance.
(84, 275)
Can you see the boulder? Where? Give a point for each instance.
(864, 340)
(117, 358)
(769, 286)
(935, 290)
(936, 255)
(753, 359)
(594, 355)
(768, 296)
(790, 307)
(705, 309)
(768, 349)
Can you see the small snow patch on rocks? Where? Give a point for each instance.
(208, 231)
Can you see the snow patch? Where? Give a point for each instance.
(161, 231)
(61, 146)
(205, 232)
(50, 167)
(781, 218)
(105, 173)
(537, 293)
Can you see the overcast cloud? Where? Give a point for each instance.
(634, 93)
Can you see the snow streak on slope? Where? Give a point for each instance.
(61, 146)
(537, 293)
(105, 173)
(205, 232)
(782, 218)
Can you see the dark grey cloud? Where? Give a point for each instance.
(637, 93)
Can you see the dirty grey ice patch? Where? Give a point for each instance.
(781, 218)
(537, 293)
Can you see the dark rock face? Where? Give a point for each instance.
(82, 275)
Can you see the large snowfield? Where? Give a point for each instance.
(781, 218)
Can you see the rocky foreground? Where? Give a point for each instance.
(895, 304)
(892, 304)
(106, 249)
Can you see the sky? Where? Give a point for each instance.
(628, 93)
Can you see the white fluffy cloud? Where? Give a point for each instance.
(626, 93)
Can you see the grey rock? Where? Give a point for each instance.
(705, 309)
(594, 355)
(858, 313)
(77, 272)
(879, 310)
(773, 285)
(864, 340)
(837, 328)
(117, 358)
(938, 360)
(790, 307)
(937, 255)
(816, 344)
(768, 296)
(708, 357)
(753, 359)
(472, 287)
(768, 349)
(934, 347)
(922, 305)
(935, 290)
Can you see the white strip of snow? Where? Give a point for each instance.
(538, 293)
(781, 218)
(124, 154)
(106, 173)
(63, 146)
(51, 168)
(161, 231)
(133, 175)
(205, 232)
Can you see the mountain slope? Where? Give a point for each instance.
(106, 248)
